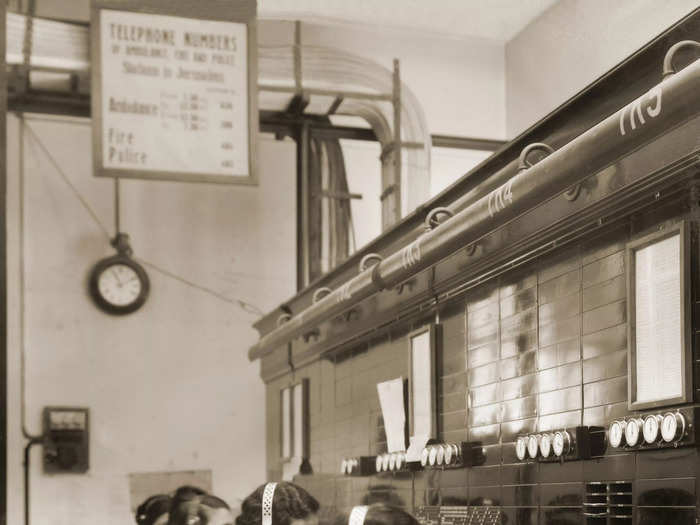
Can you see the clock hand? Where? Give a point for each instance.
(119, 282)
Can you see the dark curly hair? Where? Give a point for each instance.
(153, 508)
(189, 501)
(290, 502)
(382, 514)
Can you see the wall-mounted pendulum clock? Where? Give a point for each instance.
(118, 284)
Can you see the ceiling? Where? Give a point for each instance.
(497, 20)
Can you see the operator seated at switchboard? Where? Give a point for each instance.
(280, 503)
(187, 506)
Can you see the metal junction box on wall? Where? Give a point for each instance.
(66, 440)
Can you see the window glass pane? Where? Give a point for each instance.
(298, 420)
(421, 387)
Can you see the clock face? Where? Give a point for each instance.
(533, 444)
(632, 432)
(521, 448)
(615, 434)
(546, 445)
(119, 285)
(651, 429)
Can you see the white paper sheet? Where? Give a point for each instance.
(393, 412)
(415, 448)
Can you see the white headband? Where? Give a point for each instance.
(357, 515)
(268, 494)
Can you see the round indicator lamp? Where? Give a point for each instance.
(632, 430)
(392, 462)
(400, 457)
(546, 445)
(561, 444)
(385, 462)
(650, 429)
(521, 448)
(533, 445)
(344, 467)
(432, 459)
(672, 427)
(378, 464)
(424, 457)
(616, 433)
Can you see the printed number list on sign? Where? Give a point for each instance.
(174, 94)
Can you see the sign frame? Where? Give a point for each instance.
(242, 11)
(683, 231)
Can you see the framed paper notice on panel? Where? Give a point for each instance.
(659, 319)
(173, 93)
(421, 382)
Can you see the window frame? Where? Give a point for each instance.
(433, 330)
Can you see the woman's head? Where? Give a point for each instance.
(193, 506)
(291, 505)
(376, 514)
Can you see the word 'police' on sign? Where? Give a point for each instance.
(174, 97)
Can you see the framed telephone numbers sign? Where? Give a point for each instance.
(173, 92)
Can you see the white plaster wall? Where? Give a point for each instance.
(572, 44)
(170, 386)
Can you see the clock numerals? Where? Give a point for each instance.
(119, 285)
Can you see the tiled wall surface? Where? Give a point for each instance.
(539, 350)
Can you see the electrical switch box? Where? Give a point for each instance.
(66, 440)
